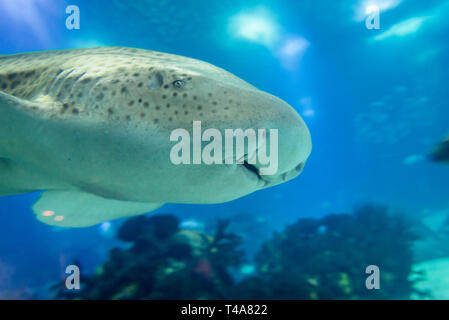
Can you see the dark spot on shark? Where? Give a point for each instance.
(14, 84)
(64, 108)
(12, 76)
(30, 74)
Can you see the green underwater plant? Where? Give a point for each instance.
(312, 259)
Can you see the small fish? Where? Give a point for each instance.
(441, 152)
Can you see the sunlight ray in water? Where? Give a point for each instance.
(29, 13)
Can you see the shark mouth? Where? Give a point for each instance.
(254, 172)
(253, 169)
(266, 180)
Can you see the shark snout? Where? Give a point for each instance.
(288, 149)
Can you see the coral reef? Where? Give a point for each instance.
(441, 152)
(311, 259)
(163, 262)
(326, 259)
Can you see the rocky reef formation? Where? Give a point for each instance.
(311, 259)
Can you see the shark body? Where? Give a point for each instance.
(91, 128)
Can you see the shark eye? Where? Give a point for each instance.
(179, 84)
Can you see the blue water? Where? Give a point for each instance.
(376, 103)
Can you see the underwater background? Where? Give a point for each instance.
(375, 190)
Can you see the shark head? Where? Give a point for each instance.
(168, 92)
(104, 120)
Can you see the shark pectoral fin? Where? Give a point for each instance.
(79, 209)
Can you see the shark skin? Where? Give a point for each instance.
(91, 128)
